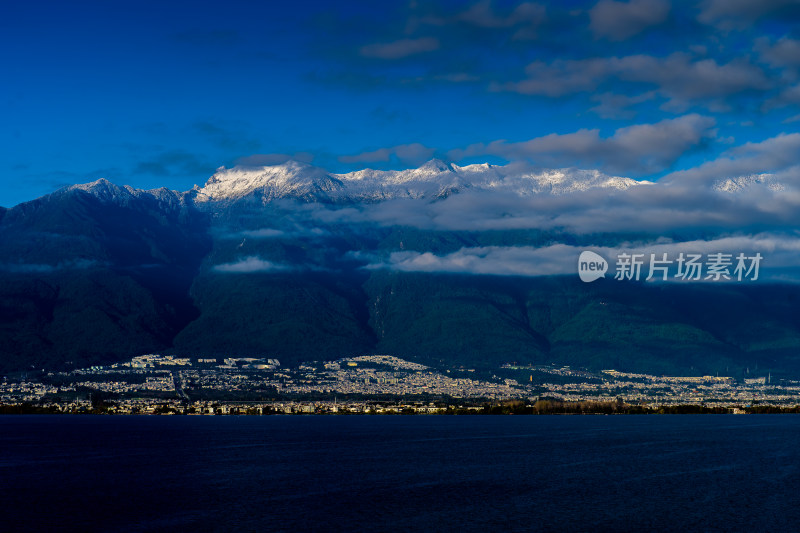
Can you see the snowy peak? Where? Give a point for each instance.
(565, 181)
(436, 180)
(288, 180)
(108, 192)
(101, 189)
(435, 166)
(741, 183)
(433, 180)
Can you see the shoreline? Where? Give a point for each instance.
(506, 409)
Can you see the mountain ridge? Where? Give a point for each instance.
(302, 181)
(432, 180)
(97, 272)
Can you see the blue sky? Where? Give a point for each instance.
(163, 93)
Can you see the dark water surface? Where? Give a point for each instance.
(400, 473)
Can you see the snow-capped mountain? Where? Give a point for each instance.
(433, 180)
(104, 190)
(289, 180)
(741, 183)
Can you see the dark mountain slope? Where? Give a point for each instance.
(96, 276)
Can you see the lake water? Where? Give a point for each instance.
(400, 473)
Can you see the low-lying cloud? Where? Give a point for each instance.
(45, 268)
(777, 153)
(780, 253)
(654, 208)
(250, 265)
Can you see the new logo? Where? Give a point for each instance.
(591, 266)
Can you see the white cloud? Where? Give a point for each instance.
(525, 18)
(779, 252)
(618, 21)
(250, 265)
(401, 48)
(414, 153)
(785, 52)
(272, 233)
(481, 14)
(506, 261)
(677, 77)
(777, 153)
(661, 208)
(641, 148)
(43, 268)
(266, 160)
(738, 14)
(617, 106)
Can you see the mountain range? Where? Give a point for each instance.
(434, 179)
(295, 263)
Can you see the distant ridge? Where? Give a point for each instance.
(434, 179)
